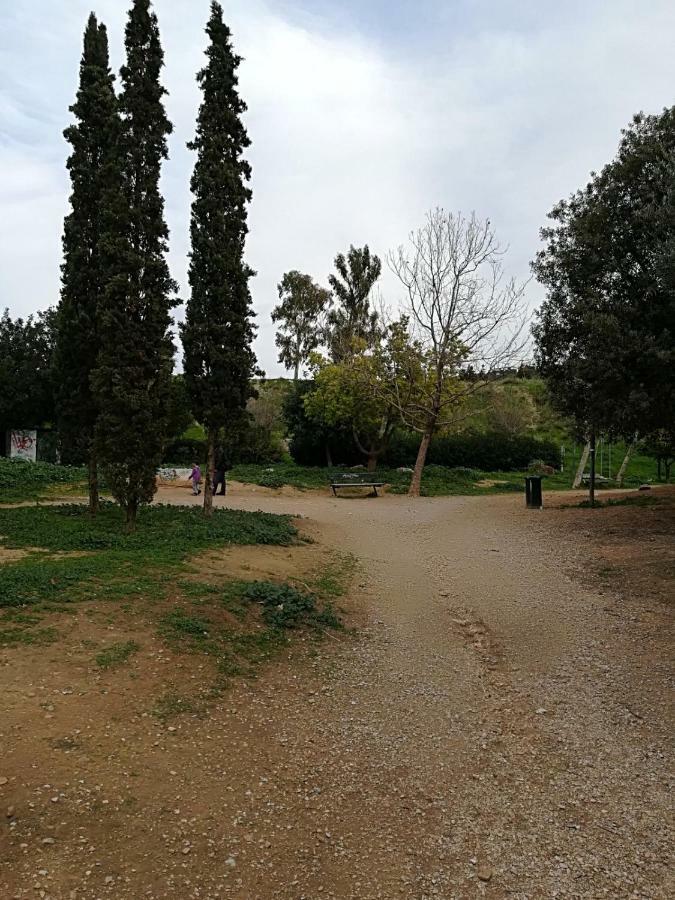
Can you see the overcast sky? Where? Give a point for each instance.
(363, 115)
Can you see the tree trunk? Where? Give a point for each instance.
(591, 483)
(131, 510)
(93, 484)
(658, 469)
(581, 466)
(329, 458)
(297, 370)
(416, 480)
(210, 468)
(372, 460)
(667, 463)
(624, 465)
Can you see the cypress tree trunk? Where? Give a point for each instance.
(210, 468)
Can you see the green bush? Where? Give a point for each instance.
(488, 452)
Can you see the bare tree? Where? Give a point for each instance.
(461, 311)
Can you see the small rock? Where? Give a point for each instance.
(231, 862)
(484, 873)
(540, 711)
(10, 812)
(3, 780)
(109, 879)
(48, 841)
(186, 850)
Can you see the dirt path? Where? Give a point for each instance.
(497, 731)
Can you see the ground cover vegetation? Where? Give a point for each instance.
(149, 583)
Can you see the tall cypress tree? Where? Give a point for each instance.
(93, 138)
(132, 379)
(217, 334)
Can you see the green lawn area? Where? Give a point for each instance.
(21, 480)
(438, 480)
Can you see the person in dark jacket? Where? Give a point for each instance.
(219, 476)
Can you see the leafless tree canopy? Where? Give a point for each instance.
(457, 296)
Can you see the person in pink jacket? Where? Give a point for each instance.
(195, 477)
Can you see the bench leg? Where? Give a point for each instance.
(334, 491)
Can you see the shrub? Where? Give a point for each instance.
(489, 452)
(284, 606)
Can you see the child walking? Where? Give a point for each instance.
(195, 477)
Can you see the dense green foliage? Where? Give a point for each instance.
(132, 377)
(84, 273)
(352, 319)
(218, 360)
(26, 382)
(606, 331)
(301, 311)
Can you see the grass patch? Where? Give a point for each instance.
(642, 500)
(142, 565)
(22, 480)
(116, 654)
(12, 637)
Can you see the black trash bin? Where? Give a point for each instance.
(533, 492)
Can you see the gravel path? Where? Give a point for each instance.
(497, 731)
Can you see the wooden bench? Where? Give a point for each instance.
(355, 479)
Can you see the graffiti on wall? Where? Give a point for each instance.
(23, 445)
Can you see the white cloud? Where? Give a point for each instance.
(354, 135)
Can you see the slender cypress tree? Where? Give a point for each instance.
(132, 380)
(83, 279)
(217, 334)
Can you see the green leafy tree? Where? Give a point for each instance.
(605, 333)
(352, 318)
(661, 446)
(343, 397)
(219, 362)
(26, 384)
(93, 140)
(301, 311)
(132, 377)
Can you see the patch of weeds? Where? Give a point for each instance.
(116, 654)
(641, 500)
(11, 637)
(335, 577)
(172, 704)
(178, 623)
(284, 606)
